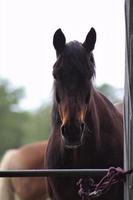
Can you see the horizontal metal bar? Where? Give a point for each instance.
(53, 172)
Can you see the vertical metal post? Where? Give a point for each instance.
(128, 132)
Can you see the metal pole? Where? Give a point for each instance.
(128, 133)
(54, 172)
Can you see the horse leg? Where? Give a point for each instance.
(6, 190)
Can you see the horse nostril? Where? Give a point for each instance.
(82, 127)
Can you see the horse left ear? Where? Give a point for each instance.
(59, 41)
(90, 40)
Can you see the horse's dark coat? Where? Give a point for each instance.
(87, 128)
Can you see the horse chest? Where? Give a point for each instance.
(64, 188)
(71, 158)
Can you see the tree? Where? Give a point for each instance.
(110, 92)
(11, 119)
(39, 126)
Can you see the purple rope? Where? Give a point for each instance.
(88, 189)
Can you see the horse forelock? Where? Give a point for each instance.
(75, 60)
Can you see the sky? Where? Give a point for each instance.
(26, 33)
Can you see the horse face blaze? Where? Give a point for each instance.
(73, 126)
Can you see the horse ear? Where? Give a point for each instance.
(90, 40)
(59, 41)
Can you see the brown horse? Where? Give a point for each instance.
(87, 128)
(30, 156)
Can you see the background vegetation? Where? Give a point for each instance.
(19, 127)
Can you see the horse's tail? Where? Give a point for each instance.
(6, 190)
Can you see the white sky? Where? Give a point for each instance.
(26, 34)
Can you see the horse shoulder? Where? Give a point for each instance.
(31, 156)
(24, 157)
(7, 159)
(7, 163)
(28, 156)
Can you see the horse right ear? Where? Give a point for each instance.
(59, 41)
(90, 40)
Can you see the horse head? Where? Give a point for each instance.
(73, 73)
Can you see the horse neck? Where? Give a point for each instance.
(105, 117)
(92, 119)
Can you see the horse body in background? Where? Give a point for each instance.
(87, 128)
(29, 156)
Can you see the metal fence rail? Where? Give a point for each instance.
(53, 172)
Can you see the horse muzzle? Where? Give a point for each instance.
(72, 134)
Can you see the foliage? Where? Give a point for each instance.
(110, 92)
(20, 127)
(38, 127)
(11, 121)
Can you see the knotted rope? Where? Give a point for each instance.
(88, 189)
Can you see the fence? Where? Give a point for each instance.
(53, 172)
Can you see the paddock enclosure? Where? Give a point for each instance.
(128, 122)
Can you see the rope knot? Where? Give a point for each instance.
(88, 189)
